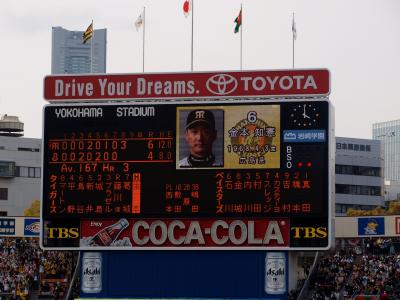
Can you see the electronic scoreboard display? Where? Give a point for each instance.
(187, 175)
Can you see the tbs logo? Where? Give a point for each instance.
(309, 232)
(63, 233)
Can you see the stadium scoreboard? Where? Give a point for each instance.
(113, 176)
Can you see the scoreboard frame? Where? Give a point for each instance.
(64, 231)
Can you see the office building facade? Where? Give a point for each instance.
(389, 134)
(70, 56)
(359, 171)
(20, 172)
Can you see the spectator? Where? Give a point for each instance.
(24, 266)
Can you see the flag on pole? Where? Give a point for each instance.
(139, 21)
(294, 31)
(238, 21)
(88, 34)
(187, 7)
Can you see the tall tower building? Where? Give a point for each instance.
(389, 134)
(70, 56)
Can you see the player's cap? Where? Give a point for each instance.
(200, 117)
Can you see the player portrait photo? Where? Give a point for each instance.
(200, 137)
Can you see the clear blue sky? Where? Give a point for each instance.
(357, 40)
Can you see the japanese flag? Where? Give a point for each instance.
(187, 7)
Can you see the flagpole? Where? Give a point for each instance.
(241, 35)
(91, 49)
(293, 40)
(191, 50)
(144, 26)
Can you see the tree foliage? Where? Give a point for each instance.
(393, 209)
(33, 210)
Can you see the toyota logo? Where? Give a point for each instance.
(221, 84)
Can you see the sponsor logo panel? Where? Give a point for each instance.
(61, 233)
(371, 226)
(275, 273)
(183, 85)
(304, 136)
(31, 227)
(7, 226)
(397, 220)
(91, 272)
(185, 233)
(311, 232)
(221, 84)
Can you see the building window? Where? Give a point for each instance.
(28, 149)
(22, 171)
(3, 193)
(343, 169)
(358, 190)
(3, 214)
(32, 172)
(368, 171)
(340, 208)
(37, 172)
(7, 169)
(358, 170)
(354, 147)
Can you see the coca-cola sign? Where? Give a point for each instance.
(243, 84)
(185, 234)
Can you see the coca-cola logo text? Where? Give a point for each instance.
(199, 233)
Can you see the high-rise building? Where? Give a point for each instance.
(389, 134)
(359, 174)
(70, 56)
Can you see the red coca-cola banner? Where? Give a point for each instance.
(243, 84)
(173, 233)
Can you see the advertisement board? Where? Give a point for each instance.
(194, 85)
(92, 269)
(20, 226)
(276, 273)
(187, 175)
(371, 226)
(7, 226)
(31, 227)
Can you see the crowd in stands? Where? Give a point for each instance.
(19, 261)
(331, 276)
(369, 266)
(372, 267)
(24, 267)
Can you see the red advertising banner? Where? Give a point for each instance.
(240, 84)
(174, 233)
